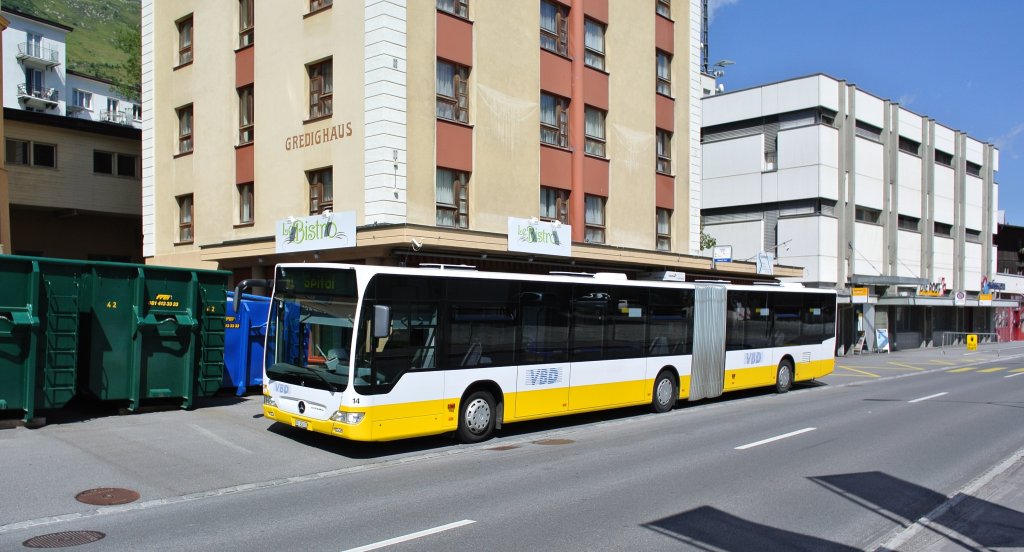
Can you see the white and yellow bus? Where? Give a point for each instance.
(373, 353)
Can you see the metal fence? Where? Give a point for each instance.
(952, 339)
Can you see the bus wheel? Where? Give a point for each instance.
(476, 418)
(665, 393)
(784, 377)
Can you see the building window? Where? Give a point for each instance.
(973, 236)
(870, 132)
(864, 214)
(593, 42)
(185, 40)
(185, 129)
(554, 120)
(317, 5)
(34, 83)
(245, 203)
(554, 27)
(454, 7)
(245, 115)
(17, 152)
(121, 164)
(452, 92)
(137, 112)
(909, 146)
(554, 205)
(906, 222)
(245, 23)
(664, 73)
(81, 99)
(973, 169)
(943, 229)
(185, 220)
(452, 198)
(594, 219)
(663, 229)
(943, 158)
(321, 88)
(664, 152)
(321, 190)
(664, 8)
(594, 131)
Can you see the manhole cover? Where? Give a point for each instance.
(107, 496)
(554, 442)
(63, 539)
(504, 447)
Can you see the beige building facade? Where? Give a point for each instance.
(406, 132)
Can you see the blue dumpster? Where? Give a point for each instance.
(244, 333)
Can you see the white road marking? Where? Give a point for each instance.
(776, 438)
(411, 536)
(1014, 375)
(928, 397)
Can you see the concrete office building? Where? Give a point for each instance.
(867, 196)
(529, 136)
(72, 152)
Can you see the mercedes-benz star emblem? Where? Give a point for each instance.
(302, 407)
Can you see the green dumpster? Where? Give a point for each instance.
(19, 324)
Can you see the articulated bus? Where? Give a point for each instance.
(373, 353)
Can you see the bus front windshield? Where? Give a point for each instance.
(310, 329)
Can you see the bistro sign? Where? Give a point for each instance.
(536, 236)
(317, 232)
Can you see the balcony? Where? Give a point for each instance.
(117, 117)
(37, 97)
(35, 54)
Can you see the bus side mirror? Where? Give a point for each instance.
(381, 321)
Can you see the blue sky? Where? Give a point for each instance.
(959, 62)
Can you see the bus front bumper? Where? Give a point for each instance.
(355, 432)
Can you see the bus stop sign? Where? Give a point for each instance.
(972, 342)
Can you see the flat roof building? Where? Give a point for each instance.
(861, 192)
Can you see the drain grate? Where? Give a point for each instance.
(64, 539)
(554, 442)
(107, 496)
(504, 447)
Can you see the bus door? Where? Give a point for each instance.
(707, 377)
(542, 381)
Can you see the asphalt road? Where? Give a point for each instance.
(847, 464)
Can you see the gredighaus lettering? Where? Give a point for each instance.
(317, 137)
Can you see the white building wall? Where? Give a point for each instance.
(973, 200)
(943, 194)
(908, 254)
(870, 109)
(14, 38)
(869, 160)
(812, 245)
(746, 238)
(868, 246)
(735, 106)
(909, 185)
(972, 267)
(945, 139)
(124, 112)
(942, 259)
(910, 125)
(975, 151)
(731, 170)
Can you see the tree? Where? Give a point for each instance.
(707, 241)
(128, 75)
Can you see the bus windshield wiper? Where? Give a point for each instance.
(320, 376)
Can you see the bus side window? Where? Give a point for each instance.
(544, 323)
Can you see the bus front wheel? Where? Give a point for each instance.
(665, 393)
(476, 418)
(784, 377)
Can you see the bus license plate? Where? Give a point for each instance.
(301, 424)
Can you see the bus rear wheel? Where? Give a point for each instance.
(665, 392)
(476, 418)
(784, 377)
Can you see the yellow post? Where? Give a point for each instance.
(972, 342)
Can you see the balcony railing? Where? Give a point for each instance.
(46, 97)
(119, 117)
(48, 57)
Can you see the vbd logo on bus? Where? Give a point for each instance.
(281, 387)
(543, 376)
(753, 358)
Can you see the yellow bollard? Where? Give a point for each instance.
(972, 342)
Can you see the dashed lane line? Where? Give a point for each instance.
(990, 370)
(776, 438)
(906, 366)
(861, 372)
(411, 536)
(928, 397)
(1014, 375)
(958, 370)
(1020, 370)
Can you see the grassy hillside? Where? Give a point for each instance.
(90, 49)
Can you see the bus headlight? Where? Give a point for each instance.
(351, 418)
(269, 401)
